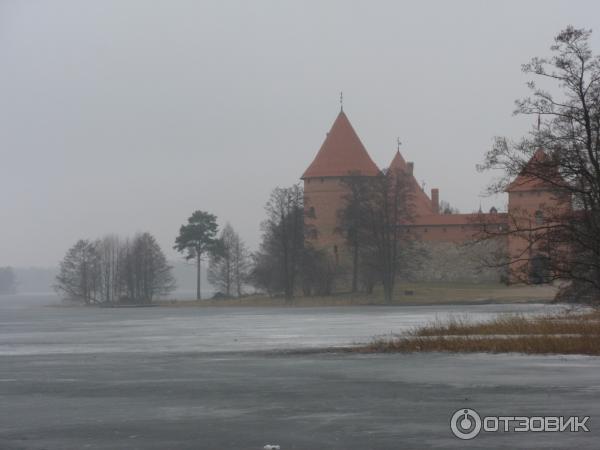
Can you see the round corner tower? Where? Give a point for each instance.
(529, 197)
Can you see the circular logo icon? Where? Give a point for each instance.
(465, 423)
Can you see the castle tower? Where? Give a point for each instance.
(422, 205)
(341, 154)
(530, 199)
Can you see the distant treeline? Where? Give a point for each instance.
(113, 270)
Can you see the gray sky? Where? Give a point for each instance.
(124, 116)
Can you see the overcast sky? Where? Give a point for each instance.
(124, 116)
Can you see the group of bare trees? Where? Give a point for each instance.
(229, 266)
(562, 154)
(286, 263)
(112, 270)
(374, 224)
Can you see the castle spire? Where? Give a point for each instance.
(398, 162)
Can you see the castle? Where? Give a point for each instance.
(443, 235)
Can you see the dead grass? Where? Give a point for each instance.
(515, 324)
(406, 294)
(565, 345)
(565, 333)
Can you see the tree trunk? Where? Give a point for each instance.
(355, 269)
(198, 277)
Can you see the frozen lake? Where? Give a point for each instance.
(28, 327)
(191, 379)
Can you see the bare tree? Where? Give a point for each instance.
(228, 267)
(108, 249)
(79, 275)
(277, 263)
(351, 219)
(144, 270)
(566, 231)
(390, 209)
(220, 266)
(317, 271)
(241, 264)
(374, 219)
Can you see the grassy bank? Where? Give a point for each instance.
(405, 294)
(564, 333)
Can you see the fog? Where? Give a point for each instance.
(127, 116)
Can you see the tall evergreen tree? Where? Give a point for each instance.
(197, 238)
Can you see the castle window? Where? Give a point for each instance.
(444, 229)
(322, 180)
(311, 212)
(520, 194)
(425, 230)
(539, 217)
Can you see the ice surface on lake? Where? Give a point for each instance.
(27, 327)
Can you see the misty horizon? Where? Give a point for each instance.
(119, 119)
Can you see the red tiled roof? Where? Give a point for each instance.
(460, 219)
(398, 162)
(421, 202)
(538, 173)
(341, 153)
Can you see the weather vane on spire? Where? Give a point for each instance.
(398, 143)
(341, 100)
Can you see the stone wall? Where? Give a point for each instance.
(455, 262)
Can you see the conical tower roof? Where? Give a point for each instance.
(421, 203)
(342, 153)
(539, 173)
(398, 163)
